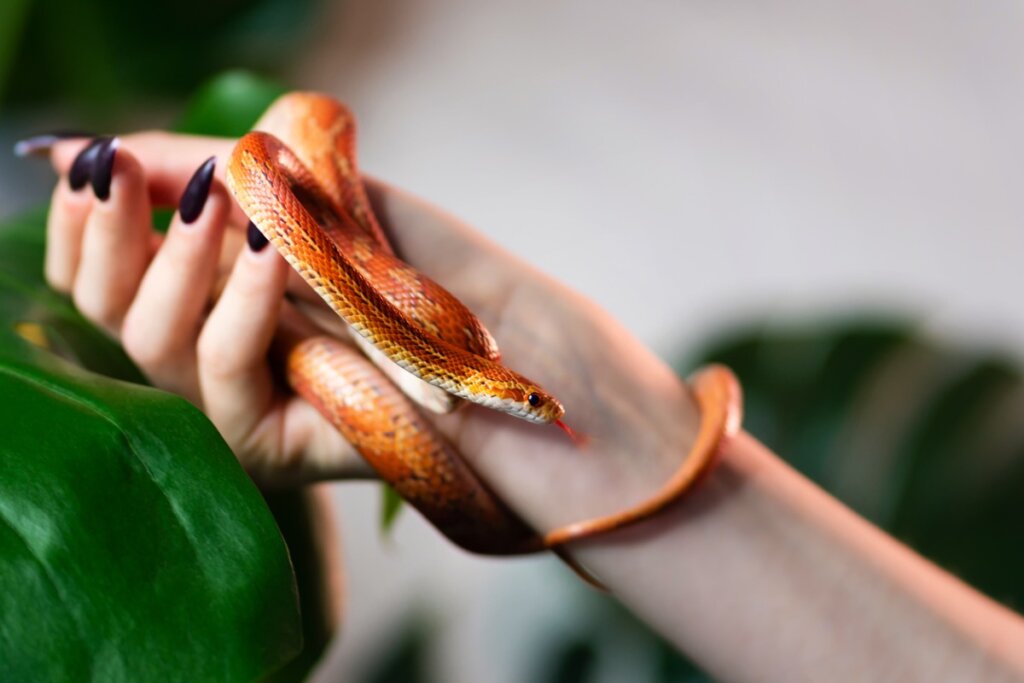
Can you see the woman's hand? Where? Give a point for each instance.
(815, 592)
(155, 296)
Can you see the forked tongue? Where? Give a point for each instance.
(577, 438)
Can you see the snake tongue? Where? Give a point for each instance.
(577, 438)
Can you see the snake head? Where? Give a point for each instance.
(540, 407)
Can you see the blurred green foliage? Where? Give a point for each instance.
(12, 22)
(406, 660)
(902, 428)
(919, 437)
(229, 104)
(95, 57)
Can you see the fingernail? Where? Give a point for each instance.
(81, 167)
(41, 144)
(193, 199)
(103, 168)
(256, 238)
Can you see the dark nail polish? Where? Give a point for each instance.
(103, 168)
(40, 144)
(81, 167)
(256, 238)
(193, 199)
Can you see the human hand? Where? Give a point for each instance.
(153, 295)
(156, 294)
(766, 541)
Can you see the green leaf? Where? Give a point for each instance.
(229, 104)
(390, 505)
(305, 517)
(132, 544)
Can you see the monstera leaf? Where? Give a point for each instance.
(132, 544)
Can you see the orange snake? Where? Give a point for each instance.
(300, 186)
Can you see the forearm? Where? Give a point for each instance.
(759, 575)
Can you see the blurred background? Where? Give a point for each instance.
(825, 195)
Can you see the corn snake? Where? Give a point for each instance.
(296, 179)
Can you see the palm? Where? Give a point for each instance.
(634, 414)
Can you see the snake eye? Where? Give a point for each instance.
(533, 399)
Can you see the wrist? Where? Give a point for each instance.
(718, 401)
(645, 467)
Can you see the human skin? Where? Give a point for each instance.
(757, 574)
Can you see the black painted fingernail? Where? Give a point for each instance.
(40, 144)
(256, 238)
(103, 168)
(193, 199)
(81, 167)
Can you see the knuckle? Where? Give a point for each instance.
(98, 309)
(57, 279)
(148, 137)
(217, 360)
(246, 285)
(147, 352)
(177, 255)
(135, 345)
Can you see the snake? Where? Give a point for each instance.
(295, 176)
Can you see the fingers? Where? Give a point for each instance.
(280, 440)
(159, 313)
(115, 242)
(162, 325)
(69, 208)
(234, 376)
(166, 156)
(155, 295)
(169, 159)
